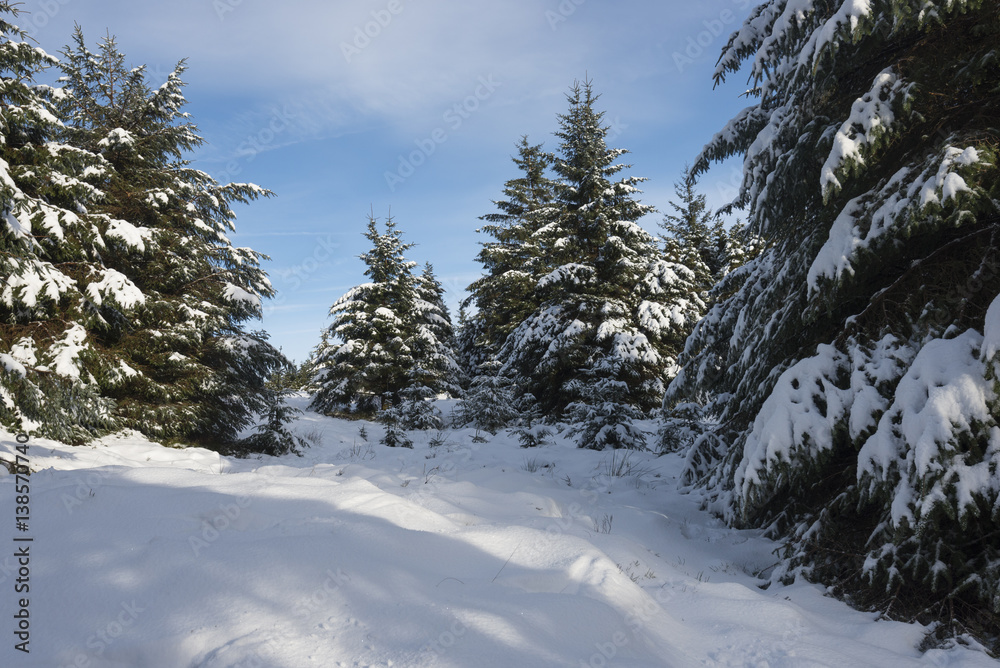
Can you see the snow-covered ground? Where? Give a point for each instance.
(453, 554)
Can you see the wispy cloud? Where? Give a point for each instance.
(344, 62)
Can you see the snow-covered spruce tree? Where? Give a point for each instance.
(513, 262)
(466, 349)
(696, 239)
(741, 247)
(435, 347)
(436, 369)
(490, 404)
(273, 437)
(695, 235)
(415, 410)
(49, 258)
(603, 416)
(395, 434)
(604, 311)
(174, 294)
(366, 357)
(849, 398)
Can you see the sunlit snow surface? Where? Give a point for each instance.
(462, 554)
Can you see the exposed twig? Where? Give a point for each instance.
(505, 563)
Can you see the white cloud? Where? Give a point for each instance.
(413, 65)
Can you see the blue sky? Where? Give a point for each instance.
(342, 108)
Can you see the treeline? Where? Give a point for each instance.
(580, 315)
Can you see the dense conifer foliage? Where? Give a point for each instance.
(49, 258)
(388, 335)
(843, 392)
(514, 260)
(125, 303)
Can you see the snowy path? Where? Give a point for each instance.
(478, 555)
